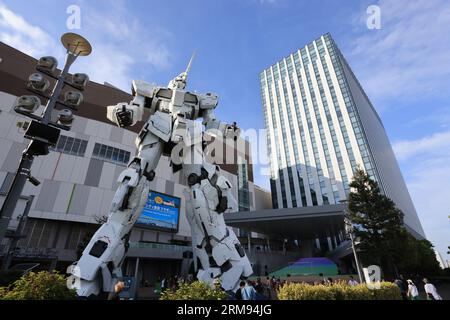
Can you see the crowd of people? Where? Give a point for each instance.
(409, 290)
(259, 289)
(266, 289)
(171, 283)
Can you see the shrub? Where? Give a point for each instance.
(387, 291)
(196, 290)
(342, 291)
(338, 291)
(303, 291)
(38, 286)
(358, 292)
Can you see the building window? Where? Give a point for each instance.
(243, 192)
(6, 185)
(37, 234)
(69, 145)
(108, 153)
(273, 190)
(74, 238)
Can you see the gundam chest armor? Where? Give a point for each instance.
(172, 130)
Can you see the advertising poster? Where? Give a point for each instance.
(161, 211)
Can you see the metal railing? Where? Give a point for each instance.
(41, 253)
(159, 246)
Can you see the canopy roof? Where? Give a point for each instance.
(301, 223)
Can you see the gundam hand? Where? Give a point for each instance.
(124, 114)
(232, 131)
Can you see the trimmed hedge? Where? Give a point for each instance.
(388, 291)
(338, 291)
(196, 290)
(38, 286)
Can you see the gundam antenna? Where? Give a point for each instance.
(189, 64)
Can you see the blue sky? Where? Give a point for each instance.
(404, 66)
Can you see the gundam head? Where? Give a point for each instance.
(179, 82)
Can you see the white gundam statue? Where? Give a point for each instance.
(171, 126)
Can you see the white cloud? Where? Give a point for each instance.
(429, 185)
(18, 33)
(119, 43)
(158, 56)
(427, 161)
(127, 34)
(435, 144)
(409, 54)
(108, 64)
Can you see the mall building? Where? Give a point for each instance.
(78, 181)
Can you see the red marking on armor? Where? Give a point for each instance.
(106, 238)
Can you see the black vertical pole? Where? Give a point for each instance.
(23, 173)
(15, 191)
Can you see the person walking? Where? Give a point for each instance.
(413, 293)
(158, 286)
(238, 294)
(248, 292)
(400, 282)
(352, 282)
(163, 284)
(431, 291)
(268, 288)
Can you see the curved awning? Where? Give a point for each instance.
(297, 223)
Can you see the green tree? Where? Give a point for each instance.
(416, 256)
(384, 239)
(428, 264)
(376, 220)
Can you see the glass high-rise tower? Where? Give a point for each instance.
(321, 126)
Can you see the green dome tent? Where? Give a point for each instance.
(308, 266)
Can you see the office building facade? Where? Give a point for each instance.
(321, 126)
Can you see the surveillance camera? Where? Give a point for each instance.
(73, 98)
(80, 80)
(28, 103)
(38, 82)
(47, 64)
(65, 117)
(35, 182)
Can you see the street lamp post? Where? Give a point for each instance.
(42, 131)
(349, 230)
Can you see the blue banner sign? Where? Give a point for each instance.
(161, 211)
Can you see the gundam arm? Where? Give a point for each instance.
(223, 129)
(128, 114)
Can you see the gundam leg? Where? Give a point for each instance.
(99, 267)
(218, 253)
